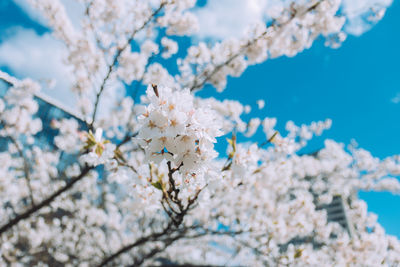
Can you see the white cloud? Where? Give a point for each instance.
(74, 9)
(396, 99)
(30, 11)
(40, 57)
(228, 18)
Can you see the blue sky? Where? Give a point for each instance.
(353, 85)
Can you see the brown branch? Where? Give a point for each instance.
(139, 242)
(181, 235)
(172, 226)
(126, 139)
(157, 250)
(173, 187)
(45, 202)
(269, 140)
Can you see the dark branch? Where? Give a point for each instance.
(26, 169)
(45, 202)
(156, 250)
(139, 242)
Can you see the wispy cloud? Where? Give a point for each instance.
(396, 99)
(228, 18)
(28, 54)
(30, 11)
(73, 8)
(41, 57)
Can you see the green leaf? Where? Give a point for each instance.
(157, 185)
(298, 253)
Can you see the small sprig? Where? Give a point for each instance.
(232, 143)
(95, 141)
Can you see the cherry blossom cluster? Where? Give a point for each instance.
(175, 130)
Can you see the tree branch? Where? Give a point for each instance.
(157, 250)
(45, 202)
(172, 226)
(26, 169)
(139, 242)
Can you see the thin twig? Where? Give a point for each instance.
(115, 60)
(26, 169)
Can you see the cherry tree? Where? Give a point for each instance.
(137, 180)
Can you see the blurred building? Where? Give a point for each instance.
(337, 213)
(50, 109)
